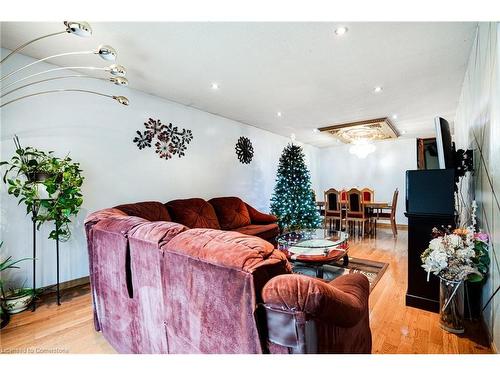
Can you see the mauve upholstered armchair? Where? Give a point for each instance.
(160, 287)
(309, 315)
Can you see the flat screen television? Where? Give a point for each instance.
(444, 144)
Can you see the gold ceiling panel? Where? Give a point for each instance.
(375, 129)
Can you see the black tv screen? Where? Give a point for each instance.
(443, 143)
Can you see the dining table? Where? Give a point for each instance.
(374, 209)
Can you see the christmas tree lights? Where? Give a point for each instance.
(292, 201)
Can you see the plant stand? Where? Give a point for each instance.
(34, 214)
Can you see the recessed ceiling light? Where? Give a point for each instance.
(377, 89)
(215, 86)
(340, 30)
(394, 116)
(316, 130)
(403, 131)
(279, 114)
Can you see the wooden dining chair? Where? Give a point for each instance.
(368, 196)
(391, 215)
(333, 212)
(355, 211)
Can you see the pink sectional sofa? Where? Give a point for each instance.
(161, 287)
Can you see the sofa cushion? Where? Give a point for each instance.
(231, 212)
(225, 248)
(152, 211)
(157, 233)
(193, 213)
(265, 231)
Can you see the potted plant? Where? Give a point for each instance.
(26, 295)
(49, 186)
(16, 300)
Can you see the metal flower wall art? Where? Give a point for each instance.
(244, 150)
(168, 140)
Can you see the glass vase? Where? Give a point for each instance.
(451, 305)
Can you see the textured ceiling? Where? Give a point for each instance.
(303, 70)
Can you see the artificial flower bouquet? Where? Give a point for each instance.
(456, 256)
(461, 254)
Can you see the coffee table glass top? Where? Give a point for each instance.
(311, 242)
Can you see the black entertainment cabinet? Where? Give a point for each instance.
(429, 203)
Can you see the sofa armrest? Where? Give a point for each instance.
(342, 302)
(258, 217)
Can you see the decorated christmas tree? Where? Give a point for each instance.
(292, 201)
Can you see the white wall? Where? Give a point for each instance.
(477, 127)
(98, 133)
(383, 170)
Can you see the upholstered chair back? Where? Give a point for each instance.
(367, 195)
(332, 200)
(343, 196)
(354, 201)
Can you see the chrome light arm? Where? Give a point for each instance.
(78, 28)
(116, 70)
(120, 81)
(105, 52)
(28, 43)
(120, 99)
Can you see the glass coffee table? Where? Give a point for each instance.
(314, 248)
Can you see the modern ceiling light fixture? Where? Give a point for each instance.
(215, 86)
(340, 30)
(377, 89)
(105, 52)
(279, 114)
(362, 134)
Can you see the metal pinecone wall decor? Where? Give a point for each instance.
(169, 139)
(244, 150)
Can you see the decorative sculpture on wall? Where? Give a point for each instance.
(169, 140)
(244, 150)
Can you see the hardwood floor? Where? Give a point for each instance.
(395, 328)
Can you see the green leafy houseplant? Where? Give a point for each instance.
(6, 264)
(30, 171)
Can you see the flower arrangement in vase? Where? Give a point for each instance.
(456, 256)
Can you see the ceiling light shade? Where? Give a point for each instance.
(362, 148)
(120, 81)
(121, 99)
(80, 28)
(107, 52)
(117, 70)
